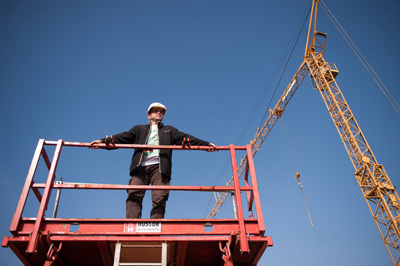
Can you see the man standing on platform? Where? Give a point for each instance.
(151, 166)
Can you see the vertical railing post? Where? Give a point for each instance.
(45, 199)
(27, 187)
(244, 245)
(249, 194)
(234, 205)
(256, 193)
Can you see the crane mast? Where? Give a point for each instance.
(376, 187)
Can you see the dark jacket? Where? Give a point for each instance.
(167, 135)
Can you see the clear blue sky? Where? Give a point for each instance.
(80, 70)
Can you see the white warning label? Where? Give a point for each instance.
(147, 227)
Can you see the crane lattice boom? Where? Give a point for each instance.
(262, 133)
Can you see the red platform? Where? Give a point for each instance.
(58, 241)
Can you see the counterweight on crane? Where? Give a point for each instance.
(376, 187)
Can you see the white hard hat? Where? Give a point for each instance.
(157, 105)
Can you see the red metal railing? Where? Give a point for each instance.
(31, 230)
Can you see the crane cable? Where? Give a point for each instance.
(304, 197)
(292, 43)
(295, 40)
(293, 162)
(362, 59)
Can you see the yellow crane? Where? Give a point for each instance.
(376, 187)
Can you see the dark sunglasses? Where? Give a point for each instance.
(158, 111)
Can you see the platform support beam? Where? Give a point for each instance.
(182, 246)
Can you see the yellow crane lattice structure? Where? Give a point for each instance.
(376, 187)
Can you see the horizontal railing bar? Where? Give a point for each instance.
(202, 238)
(125, 220)
(128, 187)
(128, 227)
(139, 146)
(27, 222)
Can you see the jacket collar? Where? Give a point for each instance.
(159, 124)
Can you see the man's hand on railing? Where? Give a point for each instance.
(108, 141)
(213, 147)
(95, 144)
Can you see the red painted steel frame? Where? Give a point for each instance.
(45, 199)
(182, 231)
(244, 245)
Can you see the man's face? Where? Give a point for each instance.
(156, 114)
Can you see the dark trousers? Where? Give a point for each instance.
(147, 175)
